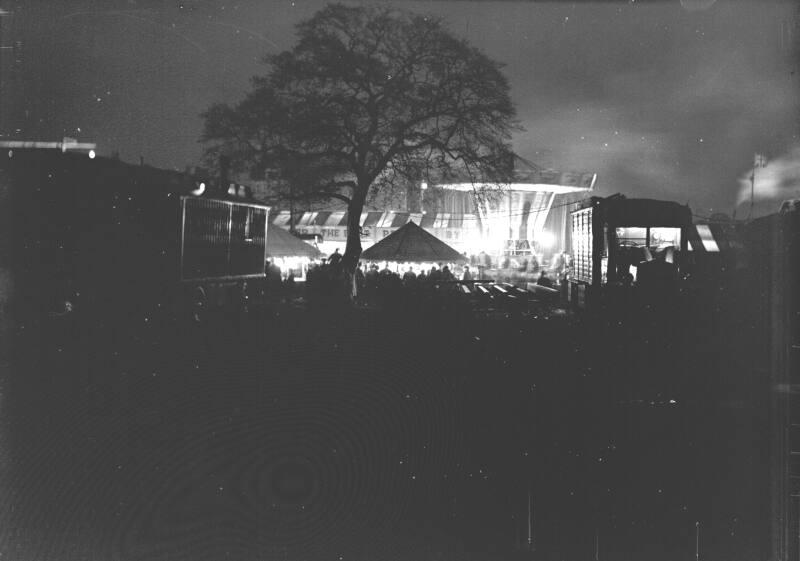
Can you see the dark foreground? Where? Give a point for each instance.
(369, 435)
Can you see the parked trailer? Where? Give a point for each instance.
(769, 301)
(121, 241)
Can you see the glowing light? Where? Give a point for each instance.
(91, 154)
(546, 239)
(201, 188)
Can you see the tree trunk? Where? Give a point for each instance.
(352, 251)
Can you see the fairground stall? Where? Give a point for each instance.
(417, 262)
(290, 253)
(412, 247)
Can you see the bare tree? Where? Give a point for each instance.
(368, 98)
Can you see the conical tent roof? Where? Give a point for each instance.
(413, 244)
(281, 243)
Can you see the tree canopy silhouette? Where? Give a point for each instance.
(368, 98)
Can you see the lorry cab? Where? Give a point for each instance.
(624, 243)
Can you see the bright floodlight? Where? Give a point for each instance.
(92, 154)
(546, 239)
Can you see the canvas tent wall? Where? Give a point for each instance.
(281, 243)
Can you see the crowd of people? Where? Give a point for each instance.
(328, 283)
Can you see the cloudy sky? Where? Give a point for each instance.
(660, 98)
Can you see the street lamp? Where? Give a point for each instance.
(597, 544)
(697, 541)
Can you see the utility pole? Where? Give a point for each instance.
(291, 206)
(759, 161)
(752, 190)
(3, 96)
(531, 521)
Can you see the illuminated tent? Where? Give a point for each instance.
(281, 243)
(412, 244)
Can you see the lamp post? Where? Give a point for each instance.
(597, 544)
(531, 519)
(697, 541)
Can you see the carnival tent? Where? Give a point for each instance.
(412, 244)
(281, 243)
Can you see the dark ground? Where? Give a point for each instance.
(373, 435)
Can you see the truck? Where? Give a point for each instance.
(122, 242)
(625, 243)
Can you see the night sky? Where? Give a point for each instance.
(661, 99)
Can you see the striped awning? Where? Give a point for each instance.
(376, 219)
(400, 219)
(371, 219)
(386, 220)
(704, 239)
(335, 219)
(320, 218)
(281, 218)
(307, 219)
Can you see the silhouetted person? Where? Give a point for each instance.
(361, 279)
(533, 264)
(288, 285)
(371, 276)
(335, 257)
(467, 276)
